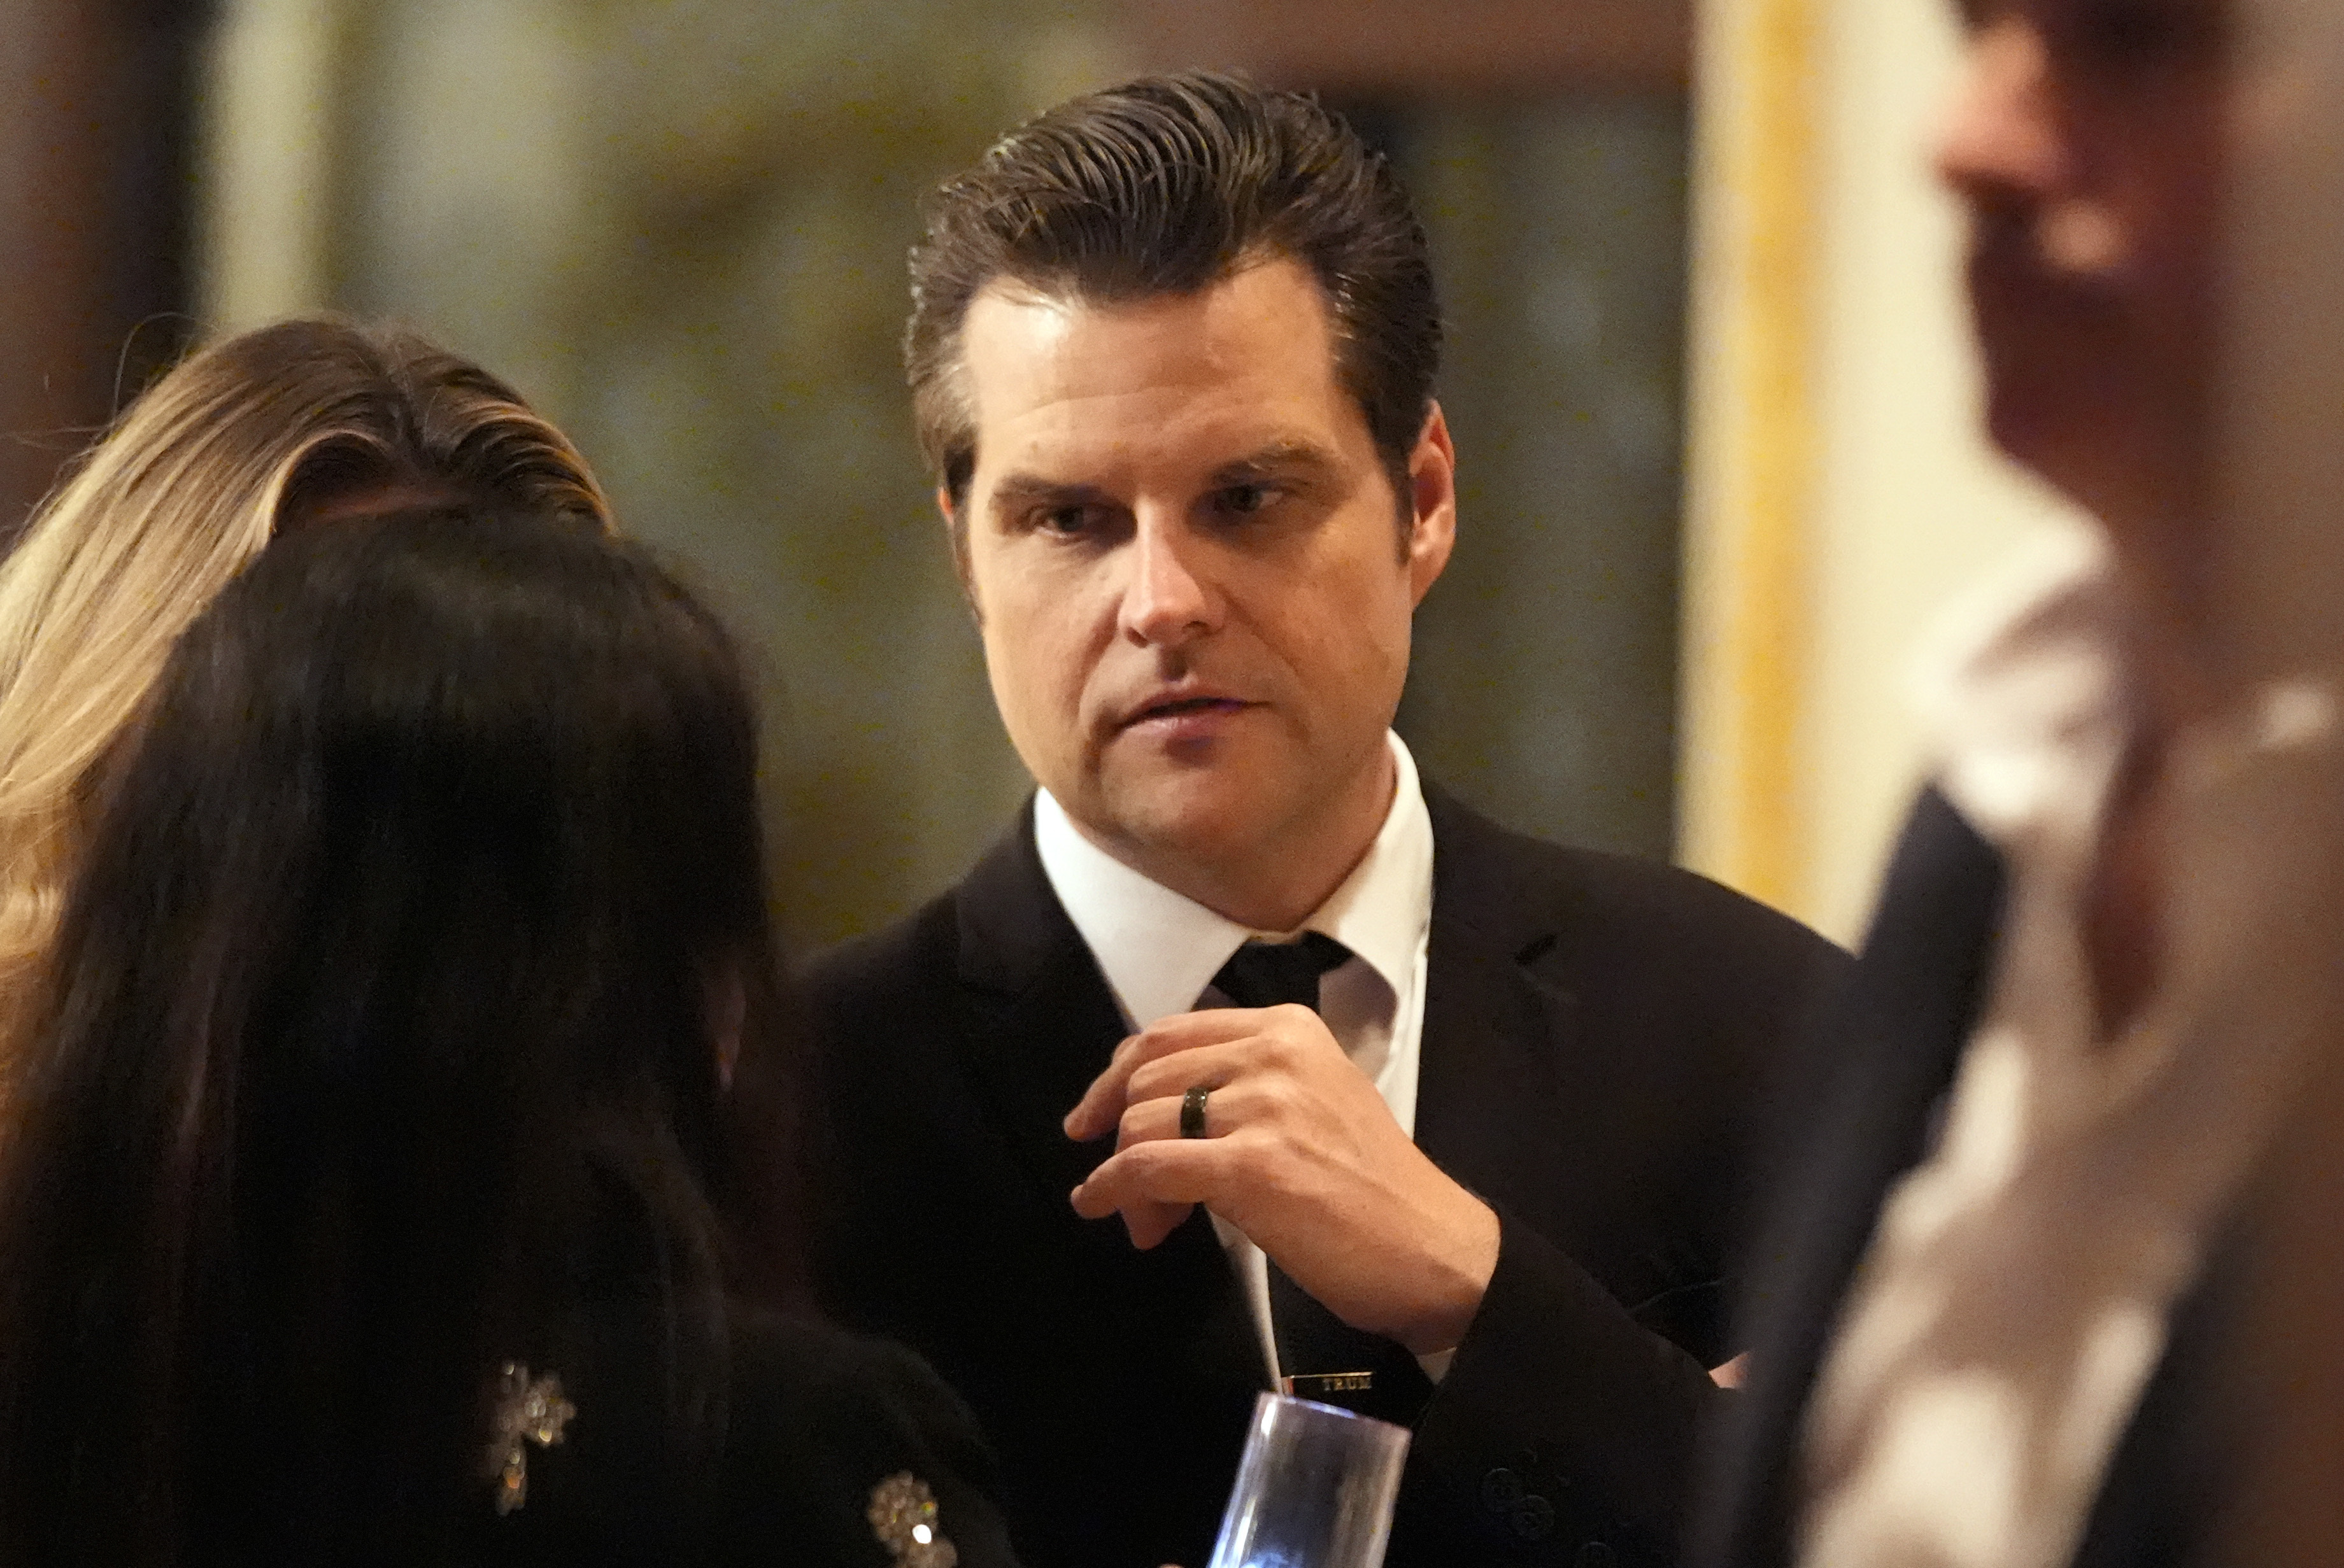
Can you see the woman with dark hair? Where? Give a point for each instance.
(366, 1190)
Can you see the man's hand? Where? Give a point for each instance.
(1302, 1155)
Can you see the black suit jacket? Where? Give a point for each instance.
(1599, 1034)
(1884, 1061)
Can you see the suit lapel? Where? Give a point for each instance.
(1493, 1031)
(1040, 1024)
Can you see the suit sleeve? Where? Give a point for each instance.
(1564, 1432)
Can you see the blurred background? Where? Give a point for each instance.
(1705, 373)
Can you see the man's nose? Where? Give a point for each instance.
(1166, 598)
(2001, 138)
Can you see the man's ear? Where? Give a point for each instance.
(956, 536)
(1432, 503)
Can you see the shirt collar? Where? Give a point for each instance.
(2025, 692)
(1160, 949)
(2030, 696)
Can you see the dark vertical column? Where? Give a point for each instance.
(95, 177)
(1543, 687)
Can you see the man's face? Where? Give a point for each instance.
(2087, 143)
(1188, 565)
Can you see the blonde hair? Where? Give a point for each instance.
(244, 436)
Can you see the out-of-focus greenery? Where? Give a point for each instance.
(679, 226)
(682, 226)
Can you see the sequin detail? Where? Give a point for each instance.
(528, 1410)
(903, 1514)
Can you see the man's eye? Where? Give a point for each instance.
(1246, 499)
(1066, 520)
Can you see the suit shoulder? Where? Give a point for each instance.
(1566, 882)
(884, 966)
(1701, 909)
(1602, 904)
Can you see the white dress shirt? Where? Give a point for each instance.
(1159, 952)
(2014, 1299)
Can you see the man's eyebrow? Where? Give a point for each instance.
(1278, 459)
(1022, 490)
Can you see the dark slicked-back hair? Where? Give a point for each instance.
(1167, 184)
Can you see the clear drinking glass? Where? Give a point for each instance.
(1315, 1488)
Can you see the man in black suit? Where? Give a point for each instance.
(1990, 1326)
(1409, 1112)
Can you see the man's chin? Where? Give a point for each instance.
(2111, 468)
(1200, 816)
(2046, 434)
(2015, 425)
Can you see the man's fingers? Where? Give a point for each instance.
(1160, 1171)
(1095, 1115)
(1170, 1077)
(1246, 1102)
(1153, 1120)
(1148, 1223)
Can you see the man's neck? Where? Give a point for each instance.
(2166, 573)
(2179, 671)
(1274, 883)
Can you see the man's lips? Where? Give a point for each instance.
(1173, 708)
(2009, 271)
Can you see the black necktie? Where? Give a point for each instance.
(1323, 1358)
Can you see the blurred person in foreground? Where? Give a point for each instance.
(367, 1188)
(1992, 1333)
(1400, 1110)
(297, 423)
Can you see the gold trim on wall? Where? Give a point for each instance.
(1752, 466)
